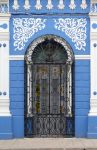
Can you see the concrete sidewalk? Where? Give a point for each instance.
(49, 144)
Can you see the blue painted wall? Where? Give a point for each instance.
(17, 97)
(6, 127)
(81, 96)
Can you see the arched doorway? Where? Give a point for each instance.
(48, 88)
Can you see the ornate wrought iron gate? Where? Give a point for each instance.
(48, 98)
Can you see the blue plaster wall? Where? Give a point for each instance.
(6, 127)
(81, 96)
(92, 127)
(17, 97)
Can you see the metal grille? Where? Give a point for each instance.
(49, 126)
(49, 101)
(48, 93)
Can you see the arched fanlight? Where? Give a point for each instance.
(47, 44)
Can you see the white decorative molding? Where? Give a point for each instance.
(94, 8)
(61, 4)
(84, 4)
(93, 68)
(16, 57)
(72, 5)
(75, 29)
(4, 1)
(77, 57)
(24, 28)
(4, 6)
(49, 5)
(15, 5)
(4, 24)
(93, 97)
(4, 67)
(27, 5)
(93, 1)
(82, 57)
(4, 106)
(38, 5)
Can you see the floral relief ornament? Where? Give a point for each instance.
(75, 29)
(24, 28)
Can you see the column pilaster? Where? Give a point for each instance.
(92, 117)
(93, 69)
(4, 65)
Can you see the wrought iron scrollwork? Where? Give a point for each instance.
(42, 39)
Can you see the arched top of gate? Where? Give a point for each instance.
(57, 39)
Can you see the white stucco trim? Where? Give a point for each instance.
(21, 57)
(93, 1)
(93, 66)
(4, 65)
(4, 106)
(16, 57)
(83, 57)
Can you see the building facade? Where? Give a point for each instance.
(48, 70)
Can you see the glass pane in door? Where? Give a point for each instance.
(41, 89)
(54, 89)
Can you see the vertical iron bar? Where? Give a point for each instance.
(60, 99)
(49, 97)
(66, 95)
(32, 87)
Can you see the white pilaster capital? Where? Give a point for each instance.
(93, 16)
(7, 15)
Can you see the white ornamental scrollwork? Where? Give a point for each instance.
(75, 29)
(24, 28)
